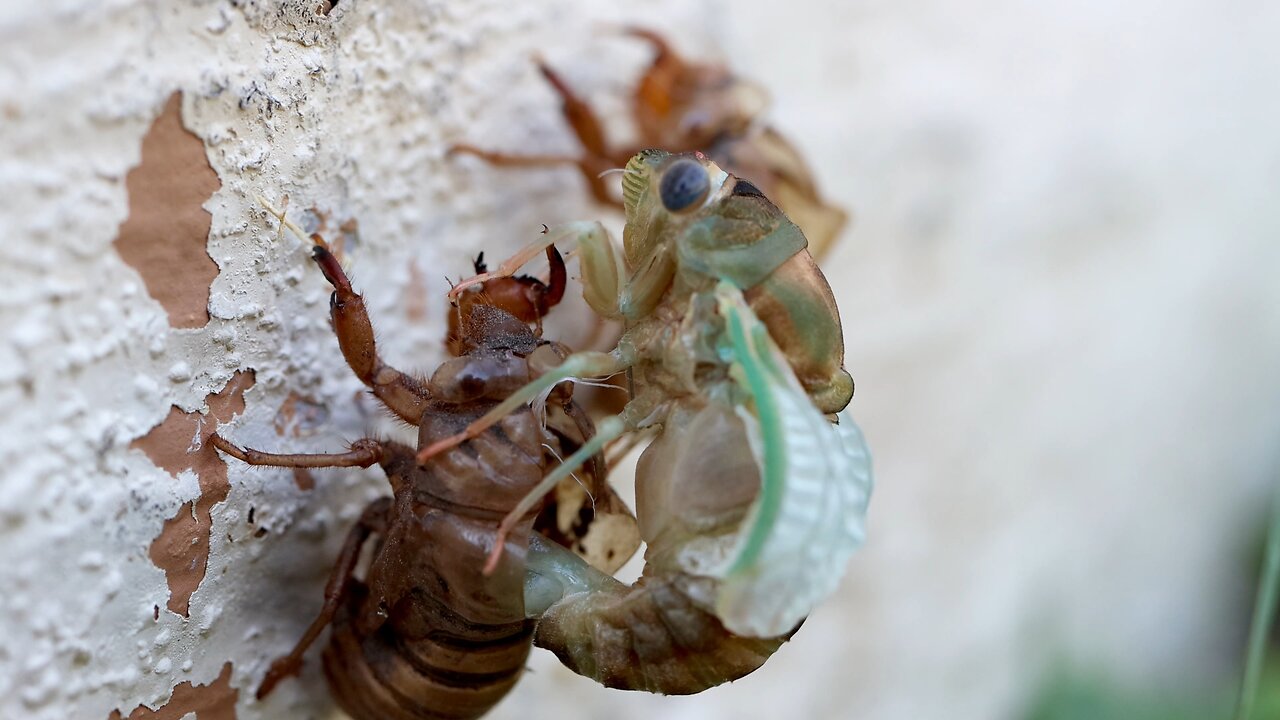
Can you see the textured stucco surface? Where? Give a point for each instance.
(1058, 295)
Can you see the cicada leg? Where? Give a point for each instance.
(512, 265)
(578, 365)
(591, 168)
(403, 394)
(510, 160)
(374, 519)
(363, 453)
(666, 62)
(581, 118)
(586, 127)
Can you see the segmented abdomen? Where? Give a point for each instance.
(651, 636)
(383, 676)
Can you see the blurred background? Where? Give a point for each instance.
(1061, 309)
(1059, 293)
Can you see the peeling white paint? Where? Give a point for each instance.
(351, 114)
(1059, 298)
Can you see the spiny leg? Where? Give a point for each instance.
(363, 453)
(606, 431)
(656, 89)
(551, 291)
(374, 519)
(502, 159)
(583, 364)
(401, 393)
(667, 71)
(662, 49)
(586, 127)
(592, 169)
(557, 280)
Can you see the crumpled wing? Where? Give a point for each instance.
(597, 526)
(815, 485)
(584, 513)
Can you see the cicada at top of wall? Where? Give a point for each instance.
(684, 106)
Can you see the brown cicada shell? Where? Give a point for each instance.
(425, 632)
(683, 106)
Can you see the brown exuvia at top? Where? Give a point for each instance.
(683, 106)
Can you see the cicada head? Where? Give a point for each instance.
(721, 226)
(662, 193)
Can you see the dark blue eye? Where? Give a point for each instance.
(684, 184)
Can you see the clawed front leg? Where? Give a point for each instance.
(403, 394)
(509, 267)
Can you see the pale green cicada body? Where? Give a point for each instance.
(750, 500)
(810, 513)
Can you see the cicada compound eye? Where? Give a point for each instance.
(684, 185)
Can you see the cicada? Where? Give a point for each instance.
(753, 492)
(425, 633)
(684, 106)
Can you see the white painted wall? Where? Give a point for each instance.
(1059, 303)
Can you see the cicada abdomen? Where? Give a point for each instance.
(653, 636)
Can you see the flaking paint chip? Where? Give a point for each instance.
(166, 235)
(215, 701)
(181, 549)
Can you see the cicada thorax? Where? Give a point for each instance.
(727, 229)
(775, 167)
(520, 300)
